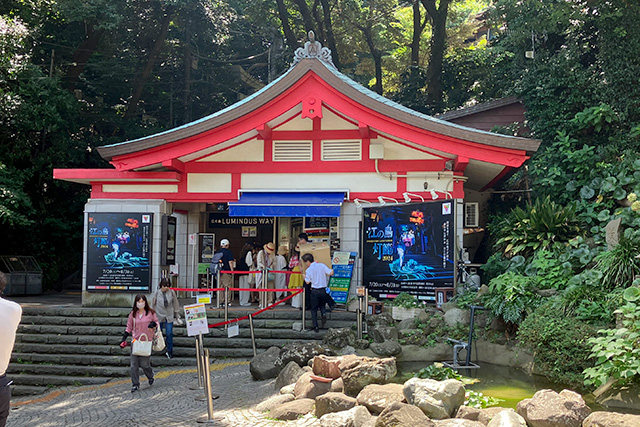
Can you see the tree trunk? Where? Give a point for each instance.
(306, 15)
(438, 43)
(132, 108)
(331, 40)
(82, 55)
(417, 32)
(377, 58)
(292, 42)
(186, 98)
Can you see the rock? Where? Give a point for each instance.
(548, 408)
(361, 344)
(263, 366)
(507, 418)
(306, 388)
(498, 324)
(339, 338)
(325, 366)
(337, 386)
(448, 306)
(457, 422)
(301, 353)
(382, 319)
(358, 372)
(611, 419)
(487, 414)
(333, 402)
(347, 350)
(288, 389)
(482, 320)
(483, 290)
(386, 349)
(424, 316)
(274, 401)
(406, 324)
(468, 413)
(383, 333)
(296, 326)
(627, 397)
(289, 375)
(456, 316)
(358, 416)
(402, 415)
(546, 293)
(292, 410)
(377, 397)
(437, 399)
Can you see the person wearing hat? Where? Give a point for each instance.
(281, 265)
(228, 261)
(296, 280)
(266, 261)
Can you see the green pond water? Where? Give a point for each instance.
(509, 384)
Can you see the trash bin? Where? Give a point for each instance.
(24, 275)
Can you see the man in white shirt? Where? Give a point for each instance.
(316, 275)
(10, 314)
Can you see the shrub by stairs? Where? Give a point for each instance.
(63, 346)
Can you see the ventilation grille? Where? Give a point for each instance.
(292, 151)
(471, 215)
(341, 150)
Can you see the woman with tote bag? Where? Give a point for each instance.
(167, 307)
(141, 325)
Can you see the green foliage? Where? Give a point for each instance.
(438, 372)
(406, 300)
(617, 351)
(550, 272)
(511, 297)
(544, 225)
(559, 343)
(476, 399)
(620, 265)
(495, 266)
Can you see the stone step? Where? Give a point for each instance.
(27, 390)
(116, 360)
(68, 370)
(76, 321)
(44, 380)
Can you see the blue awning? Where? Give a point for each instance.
(288, 204)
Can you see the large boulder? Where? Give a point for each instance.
(292, 410)
(626, 397)
(289, 375)
(468, 413)
(437, 399)
(333, 402)
(358, 416)
(361, 344)
(386, 349)
(402, 415)
(457, 422)
(358, 372)
(507, 418)
(455, 317)
(301, 353)
(382, 319)
(611, 419)
(274, 401)
(326, 366)
(383, 333)
(377, 397)
(263, 365)
(548, 408)
(306, 388)
(339, 338)
(406, 324)
(486, 414)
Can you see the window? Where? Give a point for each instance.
(341, 150)
(471, 215)
(292, 151)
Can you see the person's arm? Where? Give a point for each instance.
(152, 300)
(248, 259)
(176, 303)
(127, 331)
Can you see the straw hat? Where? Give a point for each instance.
(283, 250)
(270, 247)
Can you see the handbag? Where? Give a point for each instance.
(158, 340)
(140, 347)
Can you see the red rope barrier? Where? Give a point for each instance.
(256, 272)
(297, 292)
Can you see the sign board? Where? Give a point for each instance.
(195, 316)
(119, 252)
(409, 248)
(342, 264)
(233, 331)
(204, 299)
(169, 227)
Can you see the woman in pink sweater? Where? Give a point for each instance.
(142, 321)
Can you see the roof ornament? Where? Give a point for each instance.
(313, 49)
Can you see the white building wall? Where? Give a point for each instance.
(350, 241)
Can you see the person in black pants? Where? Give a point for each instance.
(316, 275)
(303, 239)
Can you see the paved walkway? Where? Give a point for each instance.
(169, 402)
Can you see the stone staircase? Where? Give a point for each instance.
(63, 346)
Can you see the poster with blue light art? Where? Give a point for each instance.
(408, 248)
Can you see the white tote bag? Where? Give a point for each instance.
(141, 347)
(158, 340)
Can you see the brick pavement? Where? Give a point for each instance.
(169, 402)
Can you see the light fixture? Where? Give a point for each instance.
(359, 202)
(434, 195)
(407, 197)
(381, 199)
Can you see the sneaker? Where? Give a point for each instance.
(316, 329)
(169, 355)
(324, 321)
(151, 381)
(135, 388)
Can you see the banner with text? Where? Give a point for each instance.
(342, 264)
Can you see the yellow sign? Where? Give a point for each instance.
(204, 299)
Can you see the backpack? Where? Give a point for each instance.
(216, 263)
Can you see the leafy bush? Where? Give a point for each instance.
(511, 297)
(619, 265)
(617, 351)
(406, 300)
(559, 343)
(550, 271)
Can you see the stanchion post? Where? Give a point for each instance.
(200, 385)
(263, 295)
(207, 391)
(253, 337)
(304, 306)
(218, 287)
(226, 307)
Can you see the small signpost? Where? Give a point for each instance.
(342, 264)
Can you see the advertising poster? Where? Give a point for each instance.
(195, 315)
(119, 252)
(408, 248)
(342, 265)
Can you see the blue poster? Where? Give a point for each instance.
(408, 248)
(342, 264)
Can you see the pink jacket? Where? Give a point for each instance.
(141, 325)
